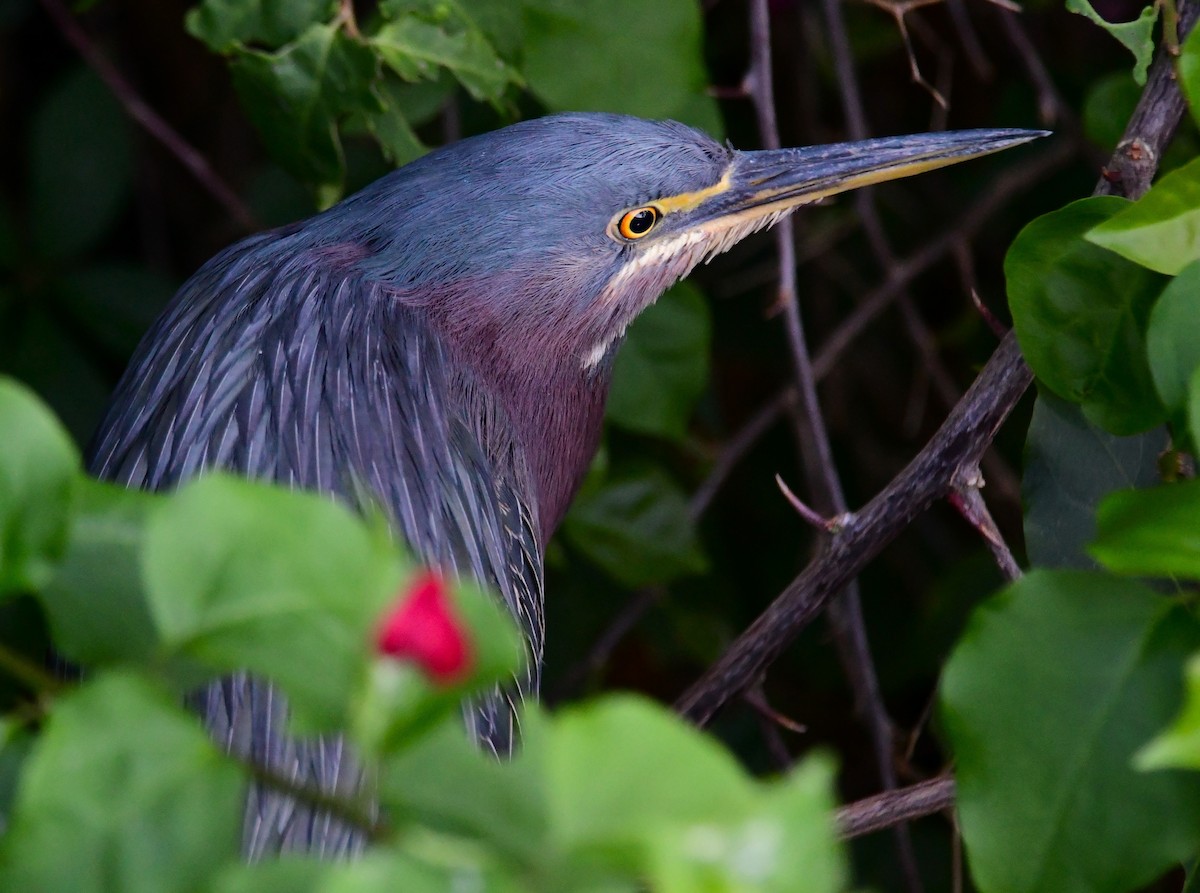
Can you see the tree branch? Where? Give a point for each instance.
(960, 442)
(890, 808)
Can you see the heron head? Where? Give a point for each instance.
(565, 228)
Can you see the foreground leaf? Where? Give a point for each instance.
(1151, 532)
(1054, 686)
(38, 464)
(1080, 311)
(123, 793)
(1161, 230)
(1178, 746)
(377, 872)
(1173, 339)
(96, 604)
(247, 576)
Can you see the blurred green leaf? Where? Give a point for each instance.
(789, 837)
(446, 780)
(603, 794)
(1188, 69)
(1178, 745)
(422, 36)
(123, 793)
(15, 745)
(1137, 36)
(1079, 312)
(385, 871)
(1173, 340)
(1194, 406)
(637, 528)
(1161, 230)
(1107, 108)
(38, 463)
(95, 603)
(77, 186)
(1070, 465)
(297, 96)
(247, 576)
(226, 24)
(1151, 532)
(576, 50)
(662, 368)
(1057, 681)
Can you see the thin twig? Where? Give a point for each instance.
(891, 808)
(148, 119)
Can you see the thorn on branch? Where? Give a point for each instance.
(757, 698)
(998, 328)
(812, 516)
(966, 498)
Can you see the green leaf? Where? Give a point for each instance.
(1194, 406)
(123, 793)
(1079, 312)
(576, 49)
(662, 368)
(604, 794)
(1151, 532)
(788, 837)
(38, 464)
(96, 603)
(446, 782)
(1070, 465)
(15, 745)
(297, 96)
(77, 186)
(1173, 339)
(1161, 230)
(379, 871)
(248, 576)
(391, 128)
(422, 36)
(1057, 681)
(227, 24)
(1136, 36)
(637, 528)
(1188, 69)
(1178, 745)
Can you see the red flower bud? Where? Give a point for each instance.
(423, 628)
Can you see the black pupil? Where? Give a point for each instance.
(642, 221)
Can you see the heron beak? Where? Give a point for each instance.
(768, 183)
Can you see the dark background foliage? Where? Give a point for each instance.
(99, 224)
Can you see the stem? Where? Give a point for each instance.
(27, 672)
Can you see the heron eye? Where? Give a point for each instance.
(636, 223)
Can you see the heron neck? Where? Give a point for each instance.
(552, 407)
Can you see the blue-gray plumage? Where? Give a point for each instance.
(440, 344)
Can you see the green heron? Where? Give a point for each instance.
(441, 344)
